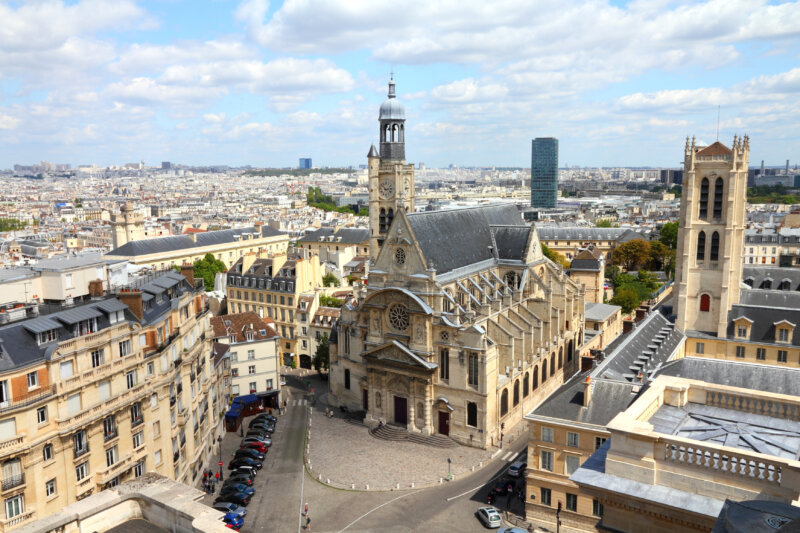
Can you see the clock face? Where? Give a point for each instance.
(407, 187)
(386, 189)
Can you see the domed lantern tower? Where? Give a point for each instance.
(391, 180)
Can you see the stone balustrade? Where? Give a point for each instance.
(20, 518)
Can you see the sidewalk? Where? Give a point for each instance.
(343, 454)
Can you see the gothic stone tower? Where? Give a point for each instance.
(711, 235)
(391, 180)
(128, 225)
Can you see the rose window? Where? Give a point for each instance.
(398, 317)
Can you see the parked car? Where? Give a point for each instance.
(244, 469)
(261, 422)
(236, 487)
(512, 530)
(265, 416)
(231, 526)
(253, 454)
(266, 441)
(500, 487)
(259, 433)
(232, 518)
(228, 507)
(257, 446)
(237, 498)
(517, 469)
(262, 428)
(241, 478)
(489, 517)
(244, 461)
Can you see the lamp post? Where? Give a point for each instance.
(449, 476)
(219, 463)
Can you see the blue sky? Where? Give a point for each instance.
(263, 83)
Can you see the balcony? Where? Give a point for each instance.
(172, 400)
(137, 421)
(80, 452)
(28, 399)
(20, 518)
(10, 446)
(108, 436)
(13, 481)
(176, 456)
(83, 486)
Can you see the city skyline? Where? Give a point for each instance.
(263, 83)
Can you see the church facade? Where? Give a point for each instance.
(464, 326)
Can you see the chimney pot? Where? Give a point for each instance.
(587, 391)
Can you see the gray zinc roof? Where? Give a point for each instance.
(755, 277)
(511, 241)
(185, 242)
(598, 312)
(553, 233)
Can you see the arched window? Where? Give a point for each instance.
(571, 349)
(701, 246)
(749, 281)
(544, 371)
(347, 379)
(766, 284)
(382, 220)
(504, 402)
(785, 285)
(389, 218)
(714, 255)
(718, 186)
(552, 364)
(526, 382)
(516, 393)
(472, 414)
(535, 378)
(704, 198)
(560, 358)
(402, 134)
(705, 302)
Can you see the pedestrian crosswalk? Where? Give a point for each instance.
(296, 403)
(510, 455)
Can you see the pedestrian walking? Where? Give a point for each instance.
(308, 523)
(305, 509)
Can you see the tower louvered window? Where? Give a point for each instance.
(704, 198)
(718, 186)
(714, 255)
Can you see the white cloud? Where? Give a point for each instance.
(7, 122)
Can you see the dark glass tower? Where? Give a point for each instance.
(544, 172)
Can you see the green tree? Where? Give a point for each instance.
(322, 356)
(603, 224)
(659, 256)
(330, 301)
(631, 254)
(555, 257)
(330, 280)
(206, 268)
(363, 212)
(627, 299)
(612, 271)
(668, 235)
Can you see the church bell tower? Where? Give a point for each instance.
(711, 229)
(391, 180)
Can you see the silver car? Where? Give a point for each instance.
(489, 517)
(517, 469)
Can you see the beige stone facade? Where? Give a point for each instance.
(136, 395)
(711, 235)
(128, 225)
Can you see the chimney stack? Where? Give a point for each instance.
(133, 299)
(187, 271)
(587, 391)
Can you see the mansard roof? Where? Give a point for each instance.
(765, 309)
(185, 242)
(456, 238)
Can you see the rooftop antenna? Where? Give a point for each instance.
(717, 122)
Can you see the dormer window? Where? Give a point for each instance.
(45, 337)
(783, 331)
(86, 327)
(741, 331)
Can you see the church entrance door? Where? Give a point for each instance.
(444, 423)
(365, 399)
(400, 410)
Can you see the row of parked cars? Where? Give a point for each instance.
(237, 490)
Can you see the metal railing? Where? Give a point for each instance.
(13, 481)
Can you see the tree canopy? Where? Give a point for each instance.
(322, 356)
(330, 301)
(555, 257)
(330, 280)
(631, 254)
(206, 268)
(668, 235)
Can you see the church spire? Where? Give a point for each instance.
(391, 87)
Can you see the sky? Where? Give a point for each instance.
(263, 83)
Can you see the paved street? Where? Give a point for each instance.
(283, 486)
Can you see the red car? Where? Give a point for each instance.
(258, 446)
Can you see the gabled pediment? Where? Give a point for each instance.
(395, 353)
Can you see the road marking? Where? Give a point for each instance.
(378, 507)
(464, 493)
(302, 488)
(508, 456)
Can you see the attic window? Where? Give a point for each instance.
(45, 337)
(262, 332)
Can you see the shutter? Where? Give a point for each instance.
(73, 404)
(8, 429)
(104, 390)
(66, 369)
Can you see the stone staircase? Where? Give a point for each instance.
(397, 434)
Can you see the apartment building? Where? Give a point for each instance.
(271, 287)
(338, 248)
(94, 395)
(226, 245)
(568, 241)
(603, 321)
(252, 345)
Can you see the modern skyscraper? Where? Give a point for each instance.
(544, 172)
(305, 163)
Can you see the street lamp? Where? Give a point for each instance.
(449, 476)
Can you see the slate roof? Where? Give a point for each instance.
(585, 265)
(67, 263)
(510, 241)
(756, 276)
(185, 242)
(347, 235)
(18, 346)
(553, 233)
(764, 309)
(457, 238)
